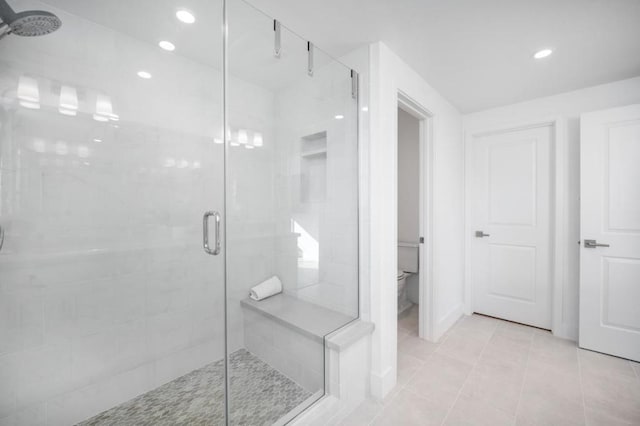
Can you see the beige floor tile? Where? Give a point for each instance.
(416, 347)
(515, 334)
(492, 371)
(508, 343)
(402, 333)
(553, 347)
(440, 378)
(537, 408)
(553, 366)
(493, 391)
(502, 364)
(604, 365)
(392, 394)
(544, 341)
(476, 326)
(409, 319)
(463, 348)
(408, 409)
(552, 384)
(408, 366)
(363, 414)
(615, 396)
(557, 352)
(597, 418)
(469, 411)
(503, 349)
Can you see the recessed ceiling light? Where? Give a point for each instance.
(542, 53)
(339, 117)
(185, 16)
(167, 45)
(97, 140)
(144, 74)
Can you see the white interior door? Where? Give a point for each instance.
(511, 223)
(610, 215)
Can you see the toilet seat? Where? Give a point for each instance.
(402, 274)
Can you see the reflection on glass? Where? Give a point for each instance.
(105, 292)
(291, 213)
(111, 150)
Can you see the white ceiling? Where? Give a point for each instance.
(478, 53)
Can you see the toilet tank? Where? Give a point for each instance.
(408, 257)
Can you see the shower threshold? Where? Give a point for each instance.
(260, 395)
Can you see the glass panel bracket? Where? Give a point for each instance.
(277, 43)
(310, 59)
(354, 84)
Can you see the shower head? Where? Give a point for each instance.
(30, 23)
(34, 23)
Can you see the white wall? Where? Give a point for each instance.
(566, 108)
(389, 74)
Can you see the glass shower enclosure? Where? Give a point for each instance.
(158, 159)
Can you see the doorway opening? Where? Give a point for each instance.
(414, 154)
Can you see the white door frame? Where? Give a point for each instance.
(426, 308)
(558, 218)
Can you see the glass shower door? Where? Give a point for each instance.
(292, 214)
(110, 152)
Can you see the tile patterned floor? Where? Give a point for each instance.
(491, 372)
(260, 396)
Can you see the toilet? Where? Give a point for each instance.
(407, 267)
(403, 300)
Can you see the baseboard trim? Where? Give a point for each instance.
(448, 320)
(382, 384)
(566, 331)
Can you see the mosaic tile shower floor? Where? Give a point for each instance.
(260, 395)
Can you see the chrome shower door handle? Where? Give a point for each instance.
(205, 233)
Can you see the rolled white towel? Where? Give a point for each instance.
(266, 289)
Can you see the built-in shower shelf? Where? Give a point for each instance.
(314, 153)
(307, 318)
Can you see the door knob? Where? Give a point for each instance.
(593, 244)
(480, 234)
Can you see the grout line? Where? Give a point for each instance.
(584, 404)
(468, 375)
(524, 379)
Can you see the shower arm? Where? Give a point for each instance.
(4, 30)
(7, 14)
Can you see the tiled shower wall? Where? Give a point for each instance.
(105, 291)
